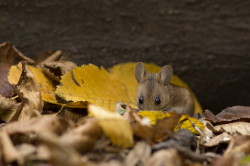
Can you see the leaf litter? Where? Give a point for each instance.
(55, 113)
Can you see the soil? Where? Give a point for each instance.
(207, 41)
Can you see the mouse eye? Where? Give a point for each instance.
(141, 100)
(157, 101)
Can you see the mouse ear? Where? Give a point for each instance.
(166, 74)
(140, 72)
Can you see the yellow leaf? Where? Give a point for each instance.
(94, 85)
(113, 125)
(185, 121)
(45, 85)
(125, 73)
(154, 115)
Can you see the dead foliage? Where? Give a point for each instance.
(38, 129)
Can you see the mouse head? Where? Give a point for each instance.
(152, 91)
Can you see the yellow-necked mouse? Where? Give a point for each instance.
(154, 92)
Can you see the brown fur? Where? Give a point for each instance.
(157, 85)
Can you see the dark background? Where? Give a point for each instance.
(207, 41)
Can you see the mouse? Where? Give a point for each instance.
(155, 92)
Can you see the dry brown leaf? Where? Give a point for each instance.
(83, 137)
(229, 114)
(56, 69)
(26, 150)
(238, 144)
(60, 153)
(45, 123)
(140, 127)
(72, 114)
(42, 153)
(230, 160)
(138, 155)
(242, 128)
(9, 55)
(9, 152)
(222, 138)
(8, 107)
(165, 127)
(5, 88)
(109, 163)
(27, 90)
(50, 57)
(45, 85)
(168, 157)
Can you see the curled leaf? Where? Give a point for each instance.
(45, 85)
(242, 128)
(28, 91)
(229, 114)
(8, 152)
(114, 126)
(9, 55)
(83, 137)
(56, 69)
(8, 107)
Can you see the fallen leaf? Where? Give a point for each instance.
(50, 57)
(45, 85)
(168, 157)
(139, 127)
(83, 137)
(28, 91)
(110, 163)
(125, 73)
(238, 144)
(229, 114)
(154, 115)
(61, 154)
(138, 155)
(25, 150)
(56, 69)
(9, 55)
(94, 85)
(164, 128)
(189, 123)
(185, 121)
(8, 107)
(231, 160)
(221, 138)
(74, 114)
(45, 123)
(242, 128)
(8, 151)
(113, 125)
(42, 153)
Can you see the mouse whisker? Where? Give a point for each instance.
(168, 106)
(171, 98)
